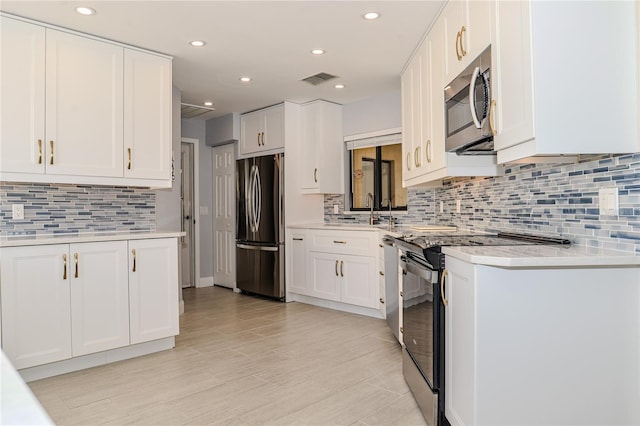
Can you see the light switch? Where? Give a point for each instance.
(608, 200)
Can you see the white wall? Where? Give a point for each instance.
(378, 113)
(196, 129)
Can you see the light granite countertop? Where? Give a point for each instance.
(542, 256)
(36, 240)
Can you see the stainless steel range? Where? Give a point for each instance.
(423, 327)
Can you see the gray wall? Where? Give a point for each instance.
(378, 113)
(196, 129)
(168, 215)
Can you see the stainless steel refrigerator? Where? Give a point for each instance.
(260, 225)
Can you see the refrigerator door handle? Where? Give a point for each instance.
(257, 248)
(258, 198)
(252, 198)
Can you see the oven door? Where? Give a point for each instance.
(421, 311)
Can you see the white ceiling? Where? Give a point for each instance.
(267, 40)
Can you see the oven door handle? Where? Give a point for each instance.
(416, 268)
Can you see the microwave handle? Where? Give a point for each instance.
(472, 98)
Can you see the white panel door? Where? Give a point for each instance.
(36, 322)
(153, 289)
(84, 106)
(147, 115)
(224, 242)
(359, 284)
(22, 97)
(99, 296)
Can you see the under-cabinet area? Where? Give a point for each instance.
(62, 302)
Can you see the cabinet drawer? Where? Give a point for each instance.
(344, 242)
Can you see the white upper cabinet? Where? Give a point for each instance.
(147, 115)
(84, 106)
(564, 78)
(467, 32)
(321, 148)
(262, 131)
(425, 160)
(81, 110)
(22, 144)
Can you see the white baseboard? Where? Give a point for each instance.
(205, 282)
(338, 306)
(94, 360)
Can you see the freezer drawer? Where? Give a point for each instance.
(260, 269)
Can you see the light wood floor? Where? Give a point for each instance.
(241, 360)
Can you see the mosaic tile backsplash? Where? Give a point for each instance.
(74, 209)
(544, 199)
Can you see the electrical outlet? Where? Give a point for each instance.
(441, 207)
(204, 210)
(336, 209)
(608, 200)
(17, 211)
(458, 205)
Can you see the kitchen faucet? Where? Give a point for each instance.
(372, 218)
(390, 218)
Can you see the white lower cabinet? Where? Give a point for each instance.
(68, 300)
(297, 262)
(153, 290)
(525, 338)
(36, 304)
(99, 296)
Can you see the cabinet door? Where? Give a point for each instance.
(512, 73)
(84, 106)
(22, 79)
(323, 275)
(153, 289)
(298, 264)
(359, 285)
(308, 147)
(147, 115)
(273, 128)
(460, 399)
(250, 129)
(411, 120)
(99, 296)
(436, 98)
(36, 322)
(453, 20)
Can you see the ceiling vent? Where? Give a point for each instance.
(321, 77)
(196, 111)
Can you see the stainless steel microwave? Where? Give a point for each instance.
(467, 107)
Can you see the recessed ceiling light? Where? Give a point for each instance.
(339, 86)
(370, 16)
(197, 43)
(208, 103)
(245, 79)
(318, 51)
(86, 11)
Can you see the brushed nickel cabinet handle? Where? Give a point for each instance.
(258, 138)
(380, 245)
(416, 159)
(442, 296)
(315, 175)
(64, 262)
(129, 154)
(51, 153)
(337, 268)
(339, 242)
(428, 150)
(381, 273)
(133, 252)
(408, 162)
(381, 300)
(39, 151)
(298, 239)
(342, 268)
(75, 257)
(458, 50)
